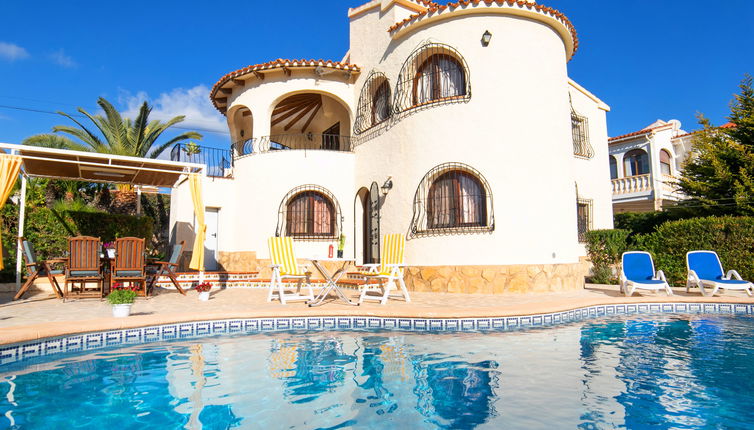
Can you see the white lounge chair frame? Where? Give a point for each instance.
(387, 272)
(284, 266)
(693, 279)
(628, 287)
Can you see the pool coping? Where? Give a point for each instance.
(199, 326)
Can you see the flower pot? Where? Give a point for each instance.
(122, 310)
(204, 296)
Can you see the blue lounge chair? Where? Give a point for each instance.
(638, 272)
(705, 270)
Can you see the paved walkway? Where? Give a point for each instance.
(42, 315)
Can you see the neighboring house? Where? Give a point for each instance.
(645, 165)
(455, 125)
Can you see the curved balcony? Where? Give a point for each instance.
(282, 142)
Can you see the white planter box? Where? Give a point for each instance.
(122, 310)
(204, 296)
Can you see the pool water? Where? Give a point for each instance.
(638, 372)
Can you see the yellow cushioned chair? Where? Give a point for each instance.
(284, 266)
(388, 272)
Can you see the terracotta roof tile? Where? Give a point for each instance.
(726, 125)
(435, 9)
(638, 133)
(278, 64)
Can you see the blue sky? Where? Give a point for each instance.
(647, 59)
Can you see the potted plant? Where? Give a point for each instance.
(122, 298)
(203, 290)
(109, 248)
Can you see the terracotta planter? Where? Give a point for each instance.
(204, 296)
(122, 310)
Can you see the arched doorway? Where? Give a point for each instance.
(367, 226)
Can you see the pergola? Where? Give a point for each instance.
(54, 163)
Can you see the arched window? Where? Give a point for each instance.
(665, 162)
(374, 103)
(438, 77)
(434, 73)
(613, 168)
(456, 199)
(636, 162)
(310, 214)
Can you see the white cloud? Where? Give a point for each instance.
(58, 57)
(192, 102)
(12, 52)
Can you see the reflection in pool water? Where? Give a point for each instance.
(638, 372)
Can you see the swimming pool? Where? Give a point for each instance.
(642, 371)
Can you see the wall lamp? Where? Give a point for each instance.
(486, 37)
(387, 186)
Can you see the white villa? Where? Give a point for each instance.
(644, 166)
(456, 125)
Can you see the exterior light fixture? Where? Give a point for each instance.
(486, 37)
(387, 186)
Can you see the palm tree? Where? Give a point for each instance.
(118, 135)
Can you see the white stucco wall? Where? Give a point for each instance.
(515, 130)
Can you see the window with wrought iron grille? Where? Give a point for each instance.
(452, 198)
(584, 218)
(309, 212)
(434, 73)
(374, 103)
(580, 133)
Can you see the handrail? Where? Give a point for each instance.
(632, 184)
(280, 142)
(219, 162)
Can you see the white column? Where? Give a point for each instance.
(21, 216)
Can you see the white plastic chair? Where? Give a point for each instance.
(388, 272)
(705, 270)
(638, 272)
(284, 266)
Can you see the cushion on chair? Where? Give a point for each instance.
(29, 251)
(638, 267)
(56, 272)
(706, 265)
(84, 274)
(727, 281)
(176, 254)
(128, 273)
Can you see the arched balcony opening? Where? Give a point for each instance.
(241, 125)
(636, 162)
(613, 167)
(309, 120)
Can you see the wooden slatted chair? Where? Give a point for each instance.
(83, 267)
(284, 267)
(36, 268)
(129, 263)
(168, 268)
(388, 272)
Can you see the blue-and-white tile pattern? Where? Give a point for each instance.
(90, 341)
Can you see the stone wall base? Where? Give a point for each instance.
(535, 278)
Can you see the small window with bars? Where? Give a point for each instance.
(584, 218)
(309, 212)
(434, 73)
(375, 105)
(580, 134)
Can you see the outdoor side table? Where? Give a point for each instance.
(331, 280)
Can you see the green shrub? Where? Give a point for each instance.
(48, 231)
(605, 248)
(731, 237)
(120, 296)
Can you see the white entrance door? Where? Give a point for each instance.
(210, 242)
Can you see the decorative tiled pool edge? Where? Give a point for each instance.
(22, 351)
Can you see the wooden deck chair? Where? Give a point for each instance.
(83, 267)
(36, 268)
(284, 267)
(128, 266)
(388, 272)
(168, 268)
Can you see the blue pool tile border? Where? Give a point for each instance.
(23, 351)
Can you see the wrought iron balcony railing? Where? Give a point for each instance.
(219, 162)
(281, 142)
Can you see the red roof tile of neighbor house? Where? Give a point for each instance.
(640, 132)
(726, 125)
(278, 64)
(436, 9)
